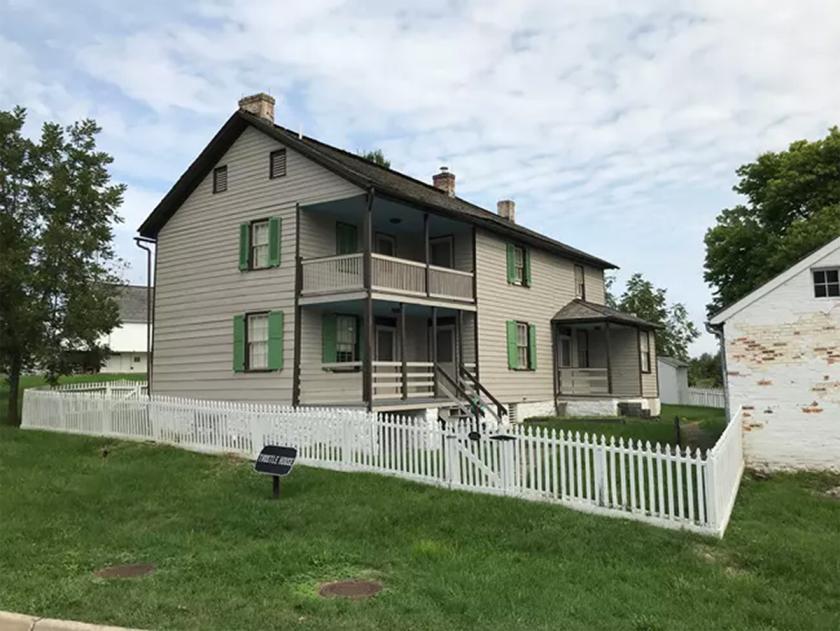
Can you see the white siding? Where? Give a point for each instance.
(783, 367)
(200, 287)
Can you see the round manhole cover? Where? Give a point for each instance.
(354, 589)
(125, 571)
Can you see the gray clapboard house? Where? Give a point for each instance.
(289, 270)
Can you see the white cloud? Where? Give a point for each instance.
(617, 126)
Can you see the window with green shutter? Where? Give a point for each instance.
(274, 228)
(346, 238)
(340, 339)
(518, 265)
(259, 243)
(244, 246)
(239, 343)
(275, 340)
(512, 352)
(521, 345)
(532, 346)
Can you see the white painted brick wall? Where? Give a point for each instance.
(783, 367)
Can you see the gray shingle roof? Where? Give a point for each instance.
(362, 172)
(580, 311)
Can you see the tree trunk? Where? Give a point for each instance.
(14, 390)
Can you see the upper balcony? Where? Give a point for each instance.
(394, 251)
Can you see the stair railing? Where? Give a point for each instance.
(480, 390)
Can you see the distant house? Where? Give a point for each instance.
(782, 362)
(673, 380)
(128, 341)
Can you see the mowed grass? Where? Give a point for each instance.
(33, 381)
(700, 426)
(228, 557)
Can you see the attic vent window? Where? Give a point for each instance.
(220, 179)
(827, 283)
(277, 167)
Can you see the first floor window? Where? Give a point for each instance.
(257, 341)
(259, 244)
(644, 349)
(346, 336)
(522, 343)
(827, 283)
(583, 349)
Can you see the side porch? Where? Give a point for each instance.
(603, 358)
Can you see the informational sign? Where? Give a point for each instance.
(275, 461)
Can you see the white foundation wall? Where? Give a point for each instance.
(581, 407)
(783, 368)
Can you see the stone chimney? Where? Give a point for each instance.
(445, 181)
(506, 209)
(261, 105)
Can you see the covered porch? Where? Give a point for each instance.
(600, 352)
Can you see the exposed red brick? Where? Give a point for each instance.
(764, 382)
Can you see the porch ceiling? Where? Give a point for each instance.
(583, 312)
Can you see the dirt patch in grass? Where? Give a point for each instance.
(354, 589)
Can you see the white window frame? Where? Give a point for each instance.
(346, 345)
(580, 282)
(259, 249)
(522, 330)
(830, 288)
(518, 265)
(256, 341)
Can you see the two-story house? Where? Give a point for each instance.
(289, 270)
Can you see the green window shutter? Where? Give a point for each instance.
(511, 268)
(346, 238)
(244, 245)
(532, 346)
(328, 338)
(528, 267)
(275, 340)
(274, 229)
(513, 355)
(239, 343)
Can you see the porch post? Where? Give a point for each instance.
(427, 255)
(554, 367)
(609, 358)
(434, 348)
(367, 364)
(367, 241)
(459, 322)
(402, 352)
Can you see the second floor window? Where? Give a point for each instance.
(644, 350)
(827, 283)
(346, 336)
(220, 179)
(580, 283)
(259, 244)
(257, 341)
(518, 265)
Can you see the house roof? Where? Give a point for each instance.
(580, 311)
(364, 173)
(812, 259)
(132, 302)
(672, 361)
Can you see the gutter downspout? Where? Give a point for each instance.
(142, 243)
(717, 331)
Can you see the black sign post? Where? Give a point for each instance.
(275, 461)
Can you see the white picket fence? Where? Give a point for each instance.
(126, 388)
(661, 485)
(706, 397)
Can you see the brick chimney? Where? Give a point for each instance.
(261, 105)
(445, 181)
(506, 209)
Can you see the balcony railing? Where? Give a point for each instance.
(336, 274)
(583, 381)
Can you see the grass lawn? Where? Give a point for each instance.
(228, 557)
(31, 381)
(700, 427)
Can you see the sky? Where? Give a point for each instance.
(616, 127)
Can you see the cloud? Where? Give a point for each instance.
(616, 126)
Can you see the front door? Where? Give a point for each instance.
(446, 349)
(564, 350)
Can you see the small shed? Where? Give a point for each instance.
(673, 380)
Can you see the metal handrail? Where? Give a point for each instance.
(500, 409)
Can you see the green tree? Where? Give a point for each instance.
(792, 208)
(705, 371)
(376, 156)
(642, 299)
(58, 274)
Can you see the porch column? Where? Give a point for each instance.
(367, 364)
(609, 358)
(367, 241)
(459, 323)
(402, 352)
(434, 349)
(554, 368)
(427, 248)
